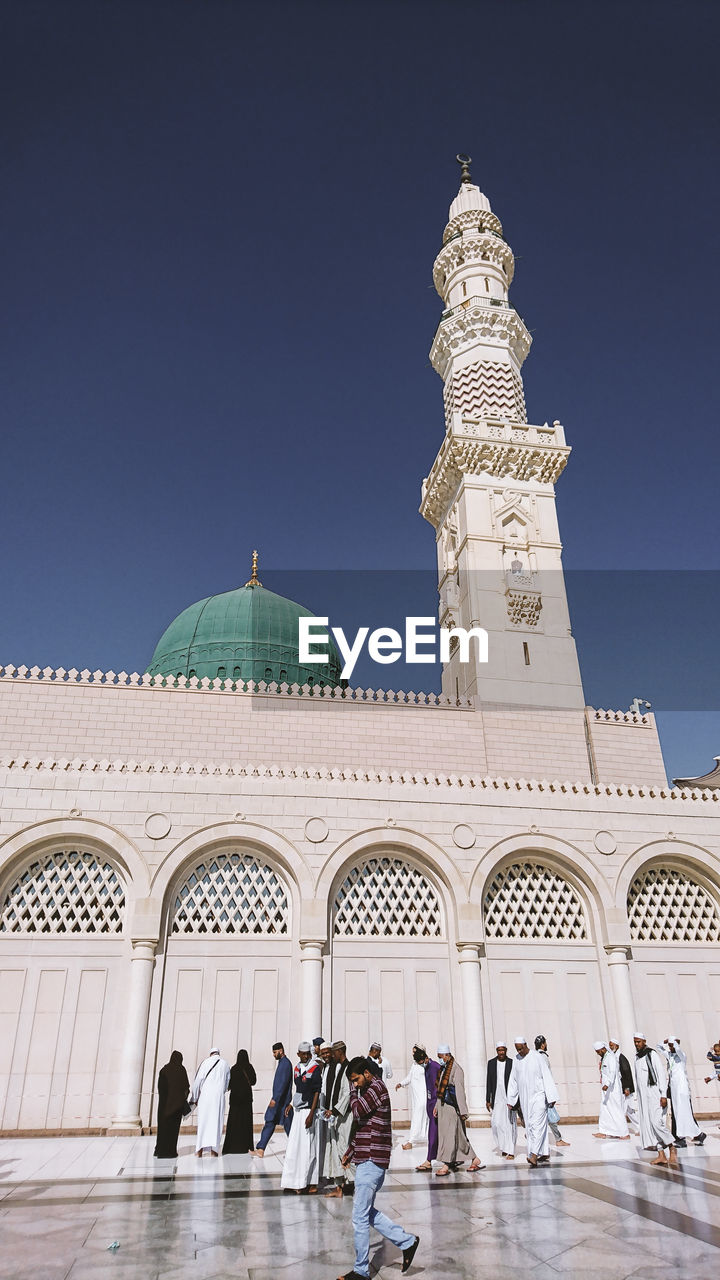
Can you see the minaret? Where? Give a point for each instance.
(490, 494)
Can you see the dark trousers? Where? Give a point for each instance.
(273, 1117)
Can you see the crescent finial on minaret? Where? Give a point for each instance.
(464, 161)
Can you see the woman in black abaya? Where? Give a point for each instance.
(173, 1089)
(239, 1131)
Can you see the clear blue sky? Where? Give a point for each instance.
(218, 227)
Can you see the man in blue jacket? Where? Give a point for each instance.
(280, 1101)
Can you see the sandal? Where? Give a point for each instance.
(425, 1167)
(442, 1173)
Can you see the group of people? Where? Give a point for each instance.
(523, 1089)
(337, 1116)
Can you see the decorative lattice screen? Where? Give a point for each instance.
(664, 905)
(387, 898)
(65, 892)
(233, 893)
(529, 900)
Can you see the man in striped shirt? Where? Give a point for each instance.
(369, 1151)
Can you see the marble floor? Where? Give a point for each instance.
(104, 1209)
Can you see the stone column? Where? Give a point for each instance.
(137, 1002)
(469, 959)
(619, 962)
(311, 965)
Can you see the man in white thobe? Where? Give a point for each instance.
(531, 1084)
(627, 1084)
(651, 1093)
(339, 1120)
(503, 1121)
(417, 1096)
(300, 1171)
(611, 1122)
(684, 1123)
(208, 1092)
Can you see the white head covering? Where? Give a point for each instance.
(212, 1051)
(304, 1046)
(375, 1045)
(615, 1039)
(639, 1036)
(519, 1040)
(599, 1044)
(500, 1044)
(674, 1039)
(444, 1048)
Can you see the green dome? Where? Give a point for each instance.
(246, 634)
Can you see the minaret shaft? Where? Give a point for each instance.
(490, 494)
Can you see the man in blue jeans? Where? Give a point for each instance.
(369, 1151)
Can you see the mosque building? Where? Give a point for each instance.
(227, 850)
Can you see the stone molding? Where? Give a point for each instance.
(503, 450)
(326, 774)
(335, 693)
(474, 246)
(471, 219)
(479, 321)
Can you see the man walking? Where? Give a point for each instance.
(339, 1121)
(651, 1081)
(627, 1084)
(541, 1046)
(531, 1084)
(452, 1112)
(611, 1122)
(684, 1124)
(415, 1083)
(277, 1112)
(503, 1121)
(300, 1171)
(370, 1151)
(433, 1071)
(211, 1081)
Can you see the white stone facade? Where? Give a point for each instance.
(199, 864)
(351, 886)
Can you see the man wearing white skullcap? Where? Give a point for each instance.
(651, 1079)
(452, 1110)
(209, 1087)
(503, 1121)
(532, 1086)
(627, 1083)
(300, 1171)
(611, 1122)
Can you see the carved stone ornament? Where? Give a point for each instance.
(316, 830)
(157, 826)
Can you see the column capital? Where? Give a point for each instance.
(144, 948)
(618, 954)
(470, 952)
(312, 948)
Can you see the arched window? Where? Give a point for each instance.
(387, 898)
(665, 905)
(529, 900)
(233, 893)
(66, 891)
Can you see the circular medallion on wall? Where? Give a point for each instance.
(463, 836)
(605, 842)
(316, 830)
(157, 826)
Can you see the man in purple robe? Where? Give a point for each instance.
(433, 1071)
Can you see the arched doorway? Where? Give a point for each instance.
(543, 973)
(674, 915)
(390, 960)
(62, 914)
(226, 975)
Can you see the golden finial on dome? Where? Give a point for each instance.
(253, 580)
